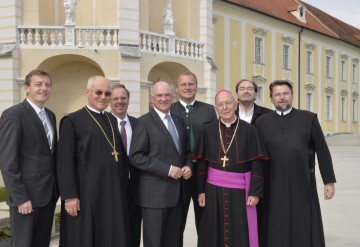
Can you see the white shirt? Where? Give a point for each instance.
(246, 116)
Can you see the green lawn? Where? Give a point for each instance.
(3, 194)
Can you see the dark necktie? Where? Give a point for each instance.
(191, 137)
(172, 131)
(123, 133)
(46, 127)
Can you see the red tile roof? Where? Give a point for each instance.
(316, 20)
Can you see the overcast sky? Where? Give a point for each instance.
(345, 10)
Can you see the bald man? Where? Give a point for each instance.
(160, 152)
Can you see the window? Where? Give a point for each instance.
(328, 107)
(354, 72)
(308, 101)
(258, 50)
(354, 108)
(328, 67)
(309, 62)
(260, 94)
(343, 70)
(286, 56)
(343, 109)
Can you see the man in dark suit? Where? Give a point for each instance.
(119, 104)
(246, 92)
(27, 159)
(196, 115)
(159, 150)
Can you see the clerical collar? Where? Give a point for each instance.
(284, 112)
(228, 125)
(185, 104)
(94, 110)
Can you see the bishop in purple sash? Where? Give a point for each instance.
(230, 175)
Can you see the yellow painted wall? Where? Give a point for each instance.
(235, 48)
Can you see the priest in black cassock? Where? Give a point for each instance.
(93, 174)
(230, 175)
(291, 138)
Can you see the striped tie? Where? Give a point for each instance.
(172, 131)
(47, 131)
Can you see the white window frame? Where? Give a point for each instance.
(309, 97)
(354, 73)
(286, 56)
(328, 67)
(259, 50)
(355, 110)
(309, 62)
(343, 70)
(328, 105)
(260, 94)
(343, 109)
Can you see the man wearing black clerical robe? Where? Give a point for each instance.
(291, 138)
(229, 174)
(93, 174)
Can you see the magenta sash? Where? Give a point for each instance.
(236, 180)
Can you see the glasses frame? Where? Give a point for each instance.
(99, 92)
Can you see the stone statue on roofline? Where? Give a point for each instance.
(70, 7)
(168, 20)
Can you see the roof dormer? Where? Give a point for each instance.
(301, 13)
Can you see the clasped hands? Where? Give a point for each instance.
(72, 206)
(177, 173)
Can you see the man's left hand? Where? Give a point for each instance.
(186, 172)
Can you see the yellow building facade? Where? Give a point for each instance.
(128, 41)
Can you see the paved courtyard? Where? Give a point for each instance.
(341, 215)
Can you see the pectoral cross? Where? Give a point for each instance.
(224, 159)
(115, 155)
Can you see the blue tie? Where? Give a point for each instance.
(172, 131)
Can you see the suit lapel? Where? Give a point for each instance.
(161, 126)
(35, 118)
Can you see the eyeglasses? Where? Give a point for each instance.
(99, 92)
(246, 88)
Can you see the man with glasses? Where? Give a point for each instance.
(196, 115)
(246, 92)
(93, 170)
(230, 178)
(291, 138)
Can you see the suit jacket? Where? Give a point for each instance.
(258, 111)
(202, 114)
(27, 163)
(134, 173)
(152, 152)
